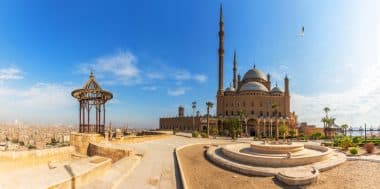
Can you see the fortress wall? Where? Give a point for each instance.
(11, 160)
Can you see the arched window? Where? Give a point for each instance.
(253, 112)
(226, 112)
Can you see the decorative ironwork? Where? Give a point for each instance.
(92, 97)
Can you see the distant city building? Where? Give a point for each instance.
(308, 130)
(187, 123)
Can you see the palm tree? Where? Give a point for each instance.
(325, 120)
(344, 127)
(275, 109)
(326, 110)
(284, 130)
(242, 118)
(209, 106)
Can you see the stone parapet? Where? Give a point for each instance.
(81, 141)
(12, 160)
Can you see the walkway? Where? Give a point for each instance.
(156, 169)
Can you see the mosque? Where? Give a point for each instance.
(261, 107)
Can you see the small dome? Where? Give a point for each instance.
(230, 89)
(254, 74)
(276, 89)
(253, 86)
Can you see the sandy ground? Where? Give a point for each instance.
(200, 173)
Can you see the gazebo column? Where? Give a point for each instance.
(88, 117)
(97, 118)
(104, 116)
(80, 116)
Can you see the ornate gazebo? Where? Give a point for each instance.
(92, 97)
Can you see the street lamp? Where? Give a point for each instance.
(194, 105)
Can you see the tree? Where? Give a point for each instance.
(326, 110)
(283, 130)
(209, 106)
(325, 120)
(214, 131)
(275, 111)
(344, 127)
(243, 117)
(233, 125)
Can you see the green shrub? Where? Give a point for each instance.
(195, 134)
(175, 131)
(204, 135)
(316, 136)
(354, 151)
(357, 140)
(345, 143)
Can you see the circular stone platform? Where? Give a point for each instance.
(277, 148)
(302, 167)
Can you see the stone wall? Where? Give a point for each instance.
(109, 151)
(81, 141)
(11, 160)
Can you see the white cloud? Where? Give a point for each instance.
(120, 67)
(149, 88)
(200, 78)
(10, 74)
(182, 75)
(155, 75)
(357, 105)
(178, 91)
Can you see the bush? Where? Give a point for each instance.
(204, 135)
(354, 151)
(369, 147)
(175, 131)
(345, 143)
(195, 134)
(357, 140)
(316, 136)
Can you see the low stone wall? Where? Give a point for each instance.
(232, 151)
(136, 139)
(108, 151)
(81, 141)
(12, 160)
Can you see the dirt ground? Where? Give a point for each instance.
(202, 174)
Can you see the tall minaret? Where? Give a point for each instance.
(287, 96)
(221, 52)
(234, 70)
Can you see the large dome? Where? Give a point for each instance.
(253, 86)
(254, 74)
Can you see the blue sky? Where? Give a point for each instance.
(156, 55)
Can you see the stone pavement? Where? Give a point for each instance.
(157, 168)
(371, 158)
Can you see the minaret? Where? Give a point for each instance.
(234, 71)
(286, 85)
(287, 96)
(221, 52)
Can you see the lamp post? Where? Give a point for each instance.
(194, 105)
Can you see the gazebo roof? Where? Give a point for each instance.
(92, 91)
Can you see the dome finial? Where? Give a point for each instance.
(276, 84)
(254, 66)
(92, 73)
